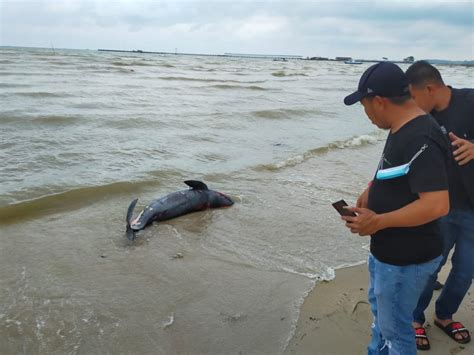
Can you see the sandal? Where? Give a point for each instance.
(452, 329)
(420, 333)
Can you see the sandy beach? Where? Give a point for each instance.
(335, 318)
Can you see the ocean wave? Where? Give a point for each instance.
(353, 142)
(108, 70)
(326, 274)
(237, 87)
(98, 66)
(287, 113)
(53, 120)
(56, 119)
(59, 62)
(40, 94)
(67, 200)
(203, 69)
(13, 85)
(124, 70)
(282, 73)
(21, 74)
(134, 63)
(207, 80)
(136, 122)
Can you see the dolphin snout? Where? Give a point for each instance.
(228, 200)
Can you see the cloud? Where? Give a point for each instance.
(257, 26)
(442, 29)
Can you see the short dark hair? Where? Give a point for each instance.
(396, 100)
(399, 100)
(421, 73)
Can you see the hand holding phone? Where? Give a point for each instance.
(339, 206)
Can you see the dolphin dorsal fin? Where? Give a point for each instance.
(196, 185)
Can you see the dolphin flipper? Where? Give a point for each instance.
(130, 232)
(196, 185)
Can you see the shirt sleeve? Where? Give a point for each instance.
(429, 171)
(471, 110)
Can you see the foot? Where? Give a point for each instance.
(454, 329)
(422, 341)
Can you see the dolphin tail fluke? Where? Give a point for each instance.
(130, 232)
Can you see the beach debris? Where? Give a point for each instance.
(356, 309)
(178, 256)
(456, 350)
(169, 322)
(233, 317)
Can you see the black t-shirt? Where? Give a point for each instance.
(428, 172)
(458, 118)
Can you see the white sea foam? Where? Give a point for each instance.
(352, 142)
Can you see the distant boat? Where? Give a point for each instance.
(353, 61)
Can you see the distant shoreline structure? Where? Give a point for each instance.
(285, 57)
(232, 55)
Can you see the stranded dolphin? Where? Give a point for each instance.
(197, 198)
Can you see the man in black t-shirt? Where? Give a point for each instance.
(401, 207)
(453, 109)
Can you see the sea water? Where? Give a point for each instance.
(83, 132)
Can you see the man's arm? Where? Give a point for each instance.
(429, 206)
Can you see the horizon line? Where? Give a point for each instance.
(249, 55)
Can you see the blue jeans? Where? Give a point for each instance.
(457, 230)
(393, 294)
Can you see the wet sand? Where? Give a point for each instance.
(335, 318)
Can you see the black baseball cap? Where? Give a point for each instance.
(384, 79)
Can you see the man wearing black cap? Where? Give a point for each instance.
(453, 109)
(401, 207)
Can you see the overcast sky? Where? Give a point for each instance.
(361, 29)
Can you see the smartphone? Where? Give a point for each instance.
(339, 206)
